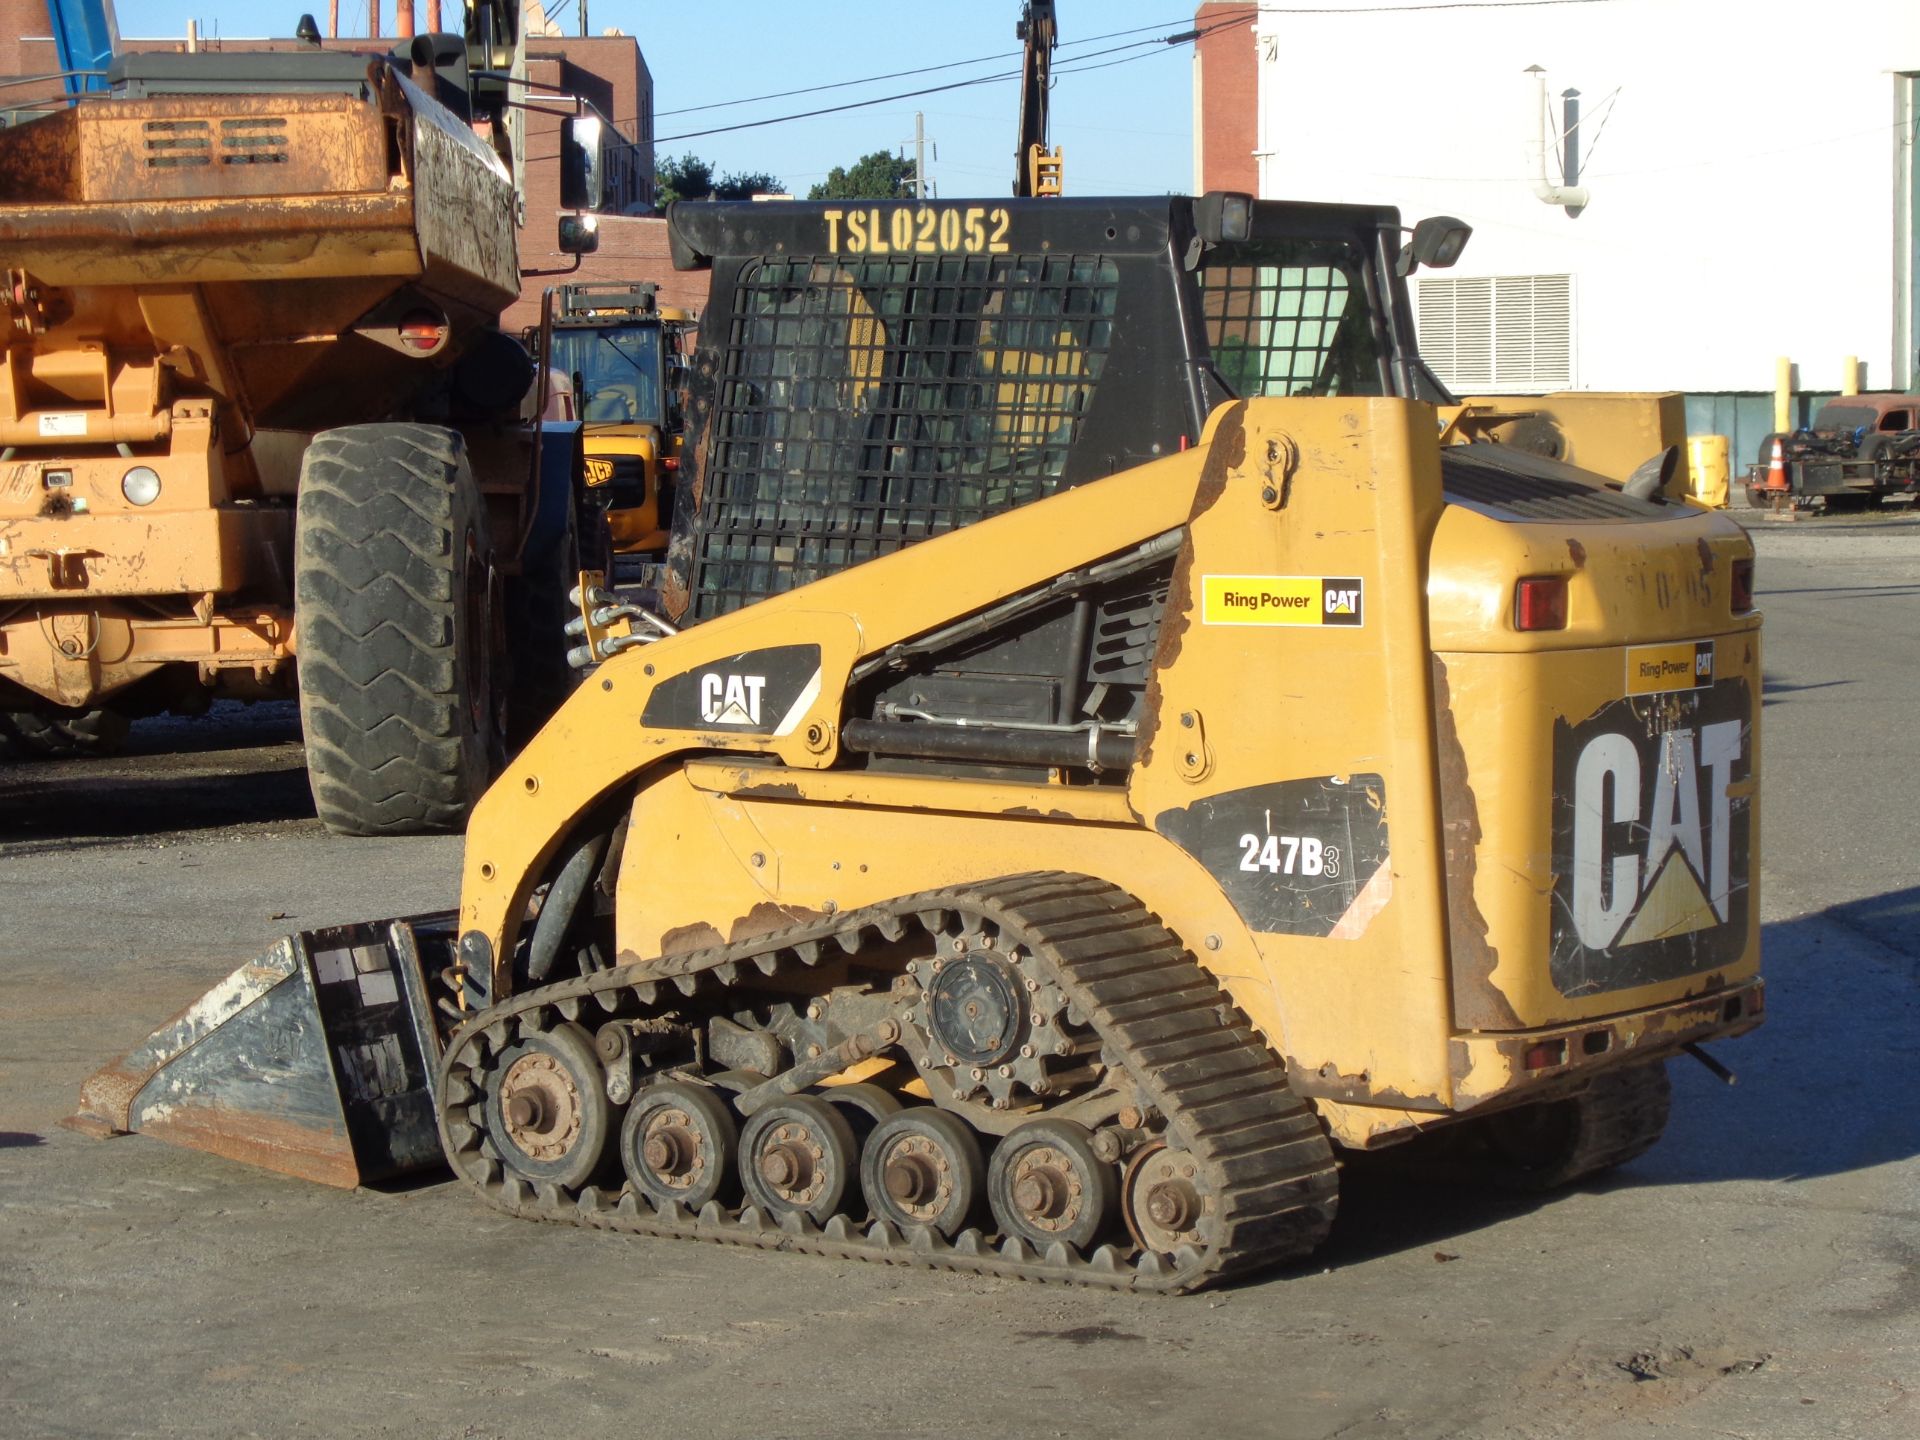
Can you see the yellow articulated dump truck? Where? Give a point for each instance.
(259, 432)
(1068, 797)
(622, 352)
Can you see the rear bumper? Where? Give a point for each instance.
(1517, 1067)
(216, 551)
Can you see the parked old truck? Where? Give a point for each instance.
(1858, 450)
(260, 433)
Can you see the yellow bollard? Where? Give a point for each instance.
(1783, 395)
(1850, 375)
(1708, 472)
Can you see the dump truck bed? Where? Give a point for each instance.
(291, 215)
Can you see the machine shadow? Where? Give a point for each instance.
(154, 789)
(1797, 1113)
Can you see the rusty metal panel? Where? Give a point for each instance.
(266, 240)
(189, 552)
(204, 147)
(464, 206)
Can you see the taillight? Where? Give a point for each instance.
(1742, 585)
(1540, 603)
(670, 462)
(423, 331)
(1546, 1055)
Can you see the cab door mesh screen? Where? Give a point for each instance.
(866, 403)
(1290, 320)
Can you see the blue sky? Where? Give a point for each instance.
(1126, 127)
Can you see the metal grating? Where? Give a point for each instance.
(869, 403)
(1297, 326)
(177, 144)
(253, 140)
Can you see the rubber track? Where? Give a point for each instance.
(54, 737)
(376, 586)
(1622, 1115)
(1222, 1091)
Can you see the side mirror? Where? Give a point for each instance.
(579, 234)
(1437, 243)
(582, 163)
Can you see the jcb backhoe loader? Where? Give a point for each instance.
(622, 353)
(1081, 796)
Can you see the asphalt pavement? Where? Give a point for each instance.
(1753, 1275)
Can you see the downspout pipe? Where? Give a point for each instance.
(1573, 197)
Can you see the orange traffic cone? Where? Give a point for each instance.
(1777, 488)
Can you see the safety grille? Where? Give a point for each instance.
(177, 144)
(189, 144)
(866, 404)
(253, 141)
(1299, 325)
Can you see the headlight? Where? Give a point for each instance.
(141, 485)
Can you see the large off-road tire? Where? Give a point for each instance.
(28, 735)
(397, 603)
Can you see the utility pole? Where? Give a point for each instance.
(583, 17)
(920, 143)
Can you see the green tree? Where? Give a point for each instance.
(691, 178)
(879, 176)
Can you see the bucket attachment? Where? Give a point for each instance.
(317, 1060)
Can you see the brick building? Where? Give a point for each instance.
(608, 72)
(1226, 99)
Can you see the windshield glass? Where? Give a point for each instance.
(1291, 317)
(616, 372)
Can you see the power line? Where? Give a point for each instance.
(903, 74)
(1148, 47)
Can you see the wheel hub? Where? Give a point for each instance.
(790, 1163)
(1165, 1201)
(975, 1010)
(1046, 1188)
(541, 1107)
(671, 1148)
(1172, 1204)
(917, 1176)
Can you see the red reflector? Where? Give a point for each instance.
(1540, 603)
(672, 462)
(1546, 1054)
(423, 331)
(1742, 585)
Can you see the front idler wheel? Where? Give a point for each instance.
(547, 1108)
(1047, 1184)
(798, 1157)
(921, 1170)
(677, 1143)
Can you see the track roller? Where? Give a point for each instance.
(799, 1157)
(921, 1170)
(547, 1107)
(677, 1143)
(1046, 1184)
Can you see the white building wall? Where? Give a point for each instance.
(1743, 161)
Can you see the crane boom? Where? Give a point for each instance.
(1036, 169)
